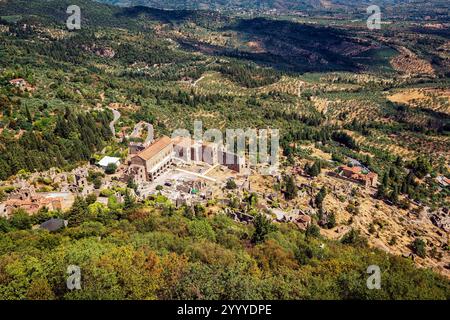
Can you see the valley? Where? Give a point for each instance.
(86, 137)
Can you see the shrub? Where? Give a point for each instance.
(313, 231)
(354, 238)
(231, 184)
(418, 247)
(111, 168)
(201, 229)
(21, 220)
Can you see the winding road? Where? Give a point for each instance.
(116, 118)
(137, 129)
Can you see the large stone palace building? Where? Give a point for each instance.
(149, 163)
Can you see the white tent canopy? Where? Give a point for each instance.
(108, 160)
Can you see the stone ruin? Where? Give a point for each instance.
(441, 219)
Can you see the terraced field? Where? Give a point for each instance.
(382, 142)
(437, 100)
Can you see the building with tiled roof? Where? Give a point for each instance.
(30, 202)
(21, 83)
(153, 160)
(18, 82)
(358, 174)
(443, 181)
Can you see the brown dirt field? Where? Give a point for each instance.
(406, 96)
(318, 153)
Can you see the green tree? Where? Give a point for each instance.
(320, 197)
(132, 185)
(381, 192)
(421, 167)
(21, 220)
(189, 212)
(200, 210)
(263, 226)
(385, 181)
(231, 184)
(5, 225)
(129, 201)
(394, 195)
(419, 247)
(252, 199)
(201, 230)
(354, 238)
(331, 223)
(91, 198)
(28, 114)
(97, 183)
(78, 213)
(111, 168)
(315, 169)
(290, 188)
(312, 231)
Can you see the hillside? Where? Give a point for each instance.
(149, 253)
(265, 4)
(342, 97)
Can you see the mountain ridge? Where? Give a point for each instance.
(264, 4)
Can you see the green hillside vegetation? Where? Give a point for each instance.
(147, 67)
(158, 252)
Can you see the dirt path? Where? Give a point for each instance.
(198, 80)
(116, 118)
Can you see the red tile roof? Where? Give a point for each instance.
(155, 148)
(352, 169)
(17, 80)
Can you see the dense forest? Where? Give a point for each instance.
(155, 251)
(74, 138)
